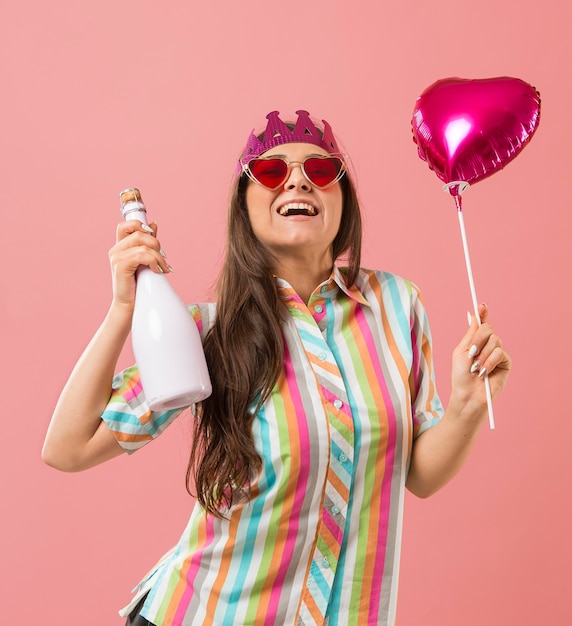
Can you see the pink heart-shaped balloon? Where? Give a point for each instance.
(466, 130)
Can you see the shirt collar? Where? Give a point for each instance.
(352, 292)
(329, 287)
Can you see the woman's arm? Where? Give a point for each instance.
(440, 452)
(77, 438)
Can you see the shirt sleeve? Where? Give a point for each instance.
(427, 406)
(127, 414)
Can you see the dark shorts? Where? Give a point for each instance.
(135, 619)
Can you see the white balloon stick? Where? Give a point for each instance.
(463, 186)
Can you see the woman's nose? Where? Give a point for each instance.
(296, 178)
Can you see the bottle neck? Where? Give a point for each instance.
(134, 211)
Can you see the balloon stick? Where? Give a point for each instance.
(457, 188)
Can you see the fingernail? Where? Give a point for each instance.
(469, 318)
(170, 268)
(160, 269)
(147, 228)
(482, 372)
(472, 351)
(475, 366)
(162, 253)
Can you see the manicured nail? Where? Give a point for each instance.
(170, 268)
(469, 318)
(482, 372)
(475, 366)
(160, 269)
(472, 351)
(147, 228)
(162, 253)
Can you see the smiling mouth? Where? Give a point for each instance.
(297, 208)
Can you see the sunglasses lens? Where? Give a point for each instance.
(269, 172)
(322, 172)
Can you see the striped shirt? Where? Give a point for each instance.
(319, 540)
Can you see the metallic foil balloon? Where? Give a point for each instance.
(466, 130)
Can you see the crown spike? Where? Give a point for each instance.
(305, 127)
(329, 138)
(276, 129)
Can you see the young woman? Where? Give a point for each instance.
(323, 409)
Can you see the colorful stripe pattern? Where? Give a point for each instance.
(319, 540)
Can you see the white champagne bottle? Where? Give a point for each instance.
(166, 342)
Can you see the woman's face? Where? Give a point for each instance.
(297, 219)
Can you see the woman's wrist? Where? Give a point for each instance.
(466, 409)
(120, 316)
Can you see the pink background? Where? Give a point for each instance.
(98, 96)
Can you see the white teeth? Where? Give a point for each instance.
(298, 208)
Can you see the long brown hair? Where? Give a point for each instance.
(244, 352)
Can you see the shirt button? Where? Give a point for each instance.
(324, 288)
(342, 458)
(338, 404)
(335, 510)
(318, 309)
(322, 356)
(325, 563)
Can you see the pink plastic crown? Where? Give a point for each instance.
(278, 133)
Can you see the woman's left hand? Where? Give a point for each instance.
(440, 452)
(480, 353)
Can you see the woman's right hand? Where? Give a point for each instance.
(136, 244)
